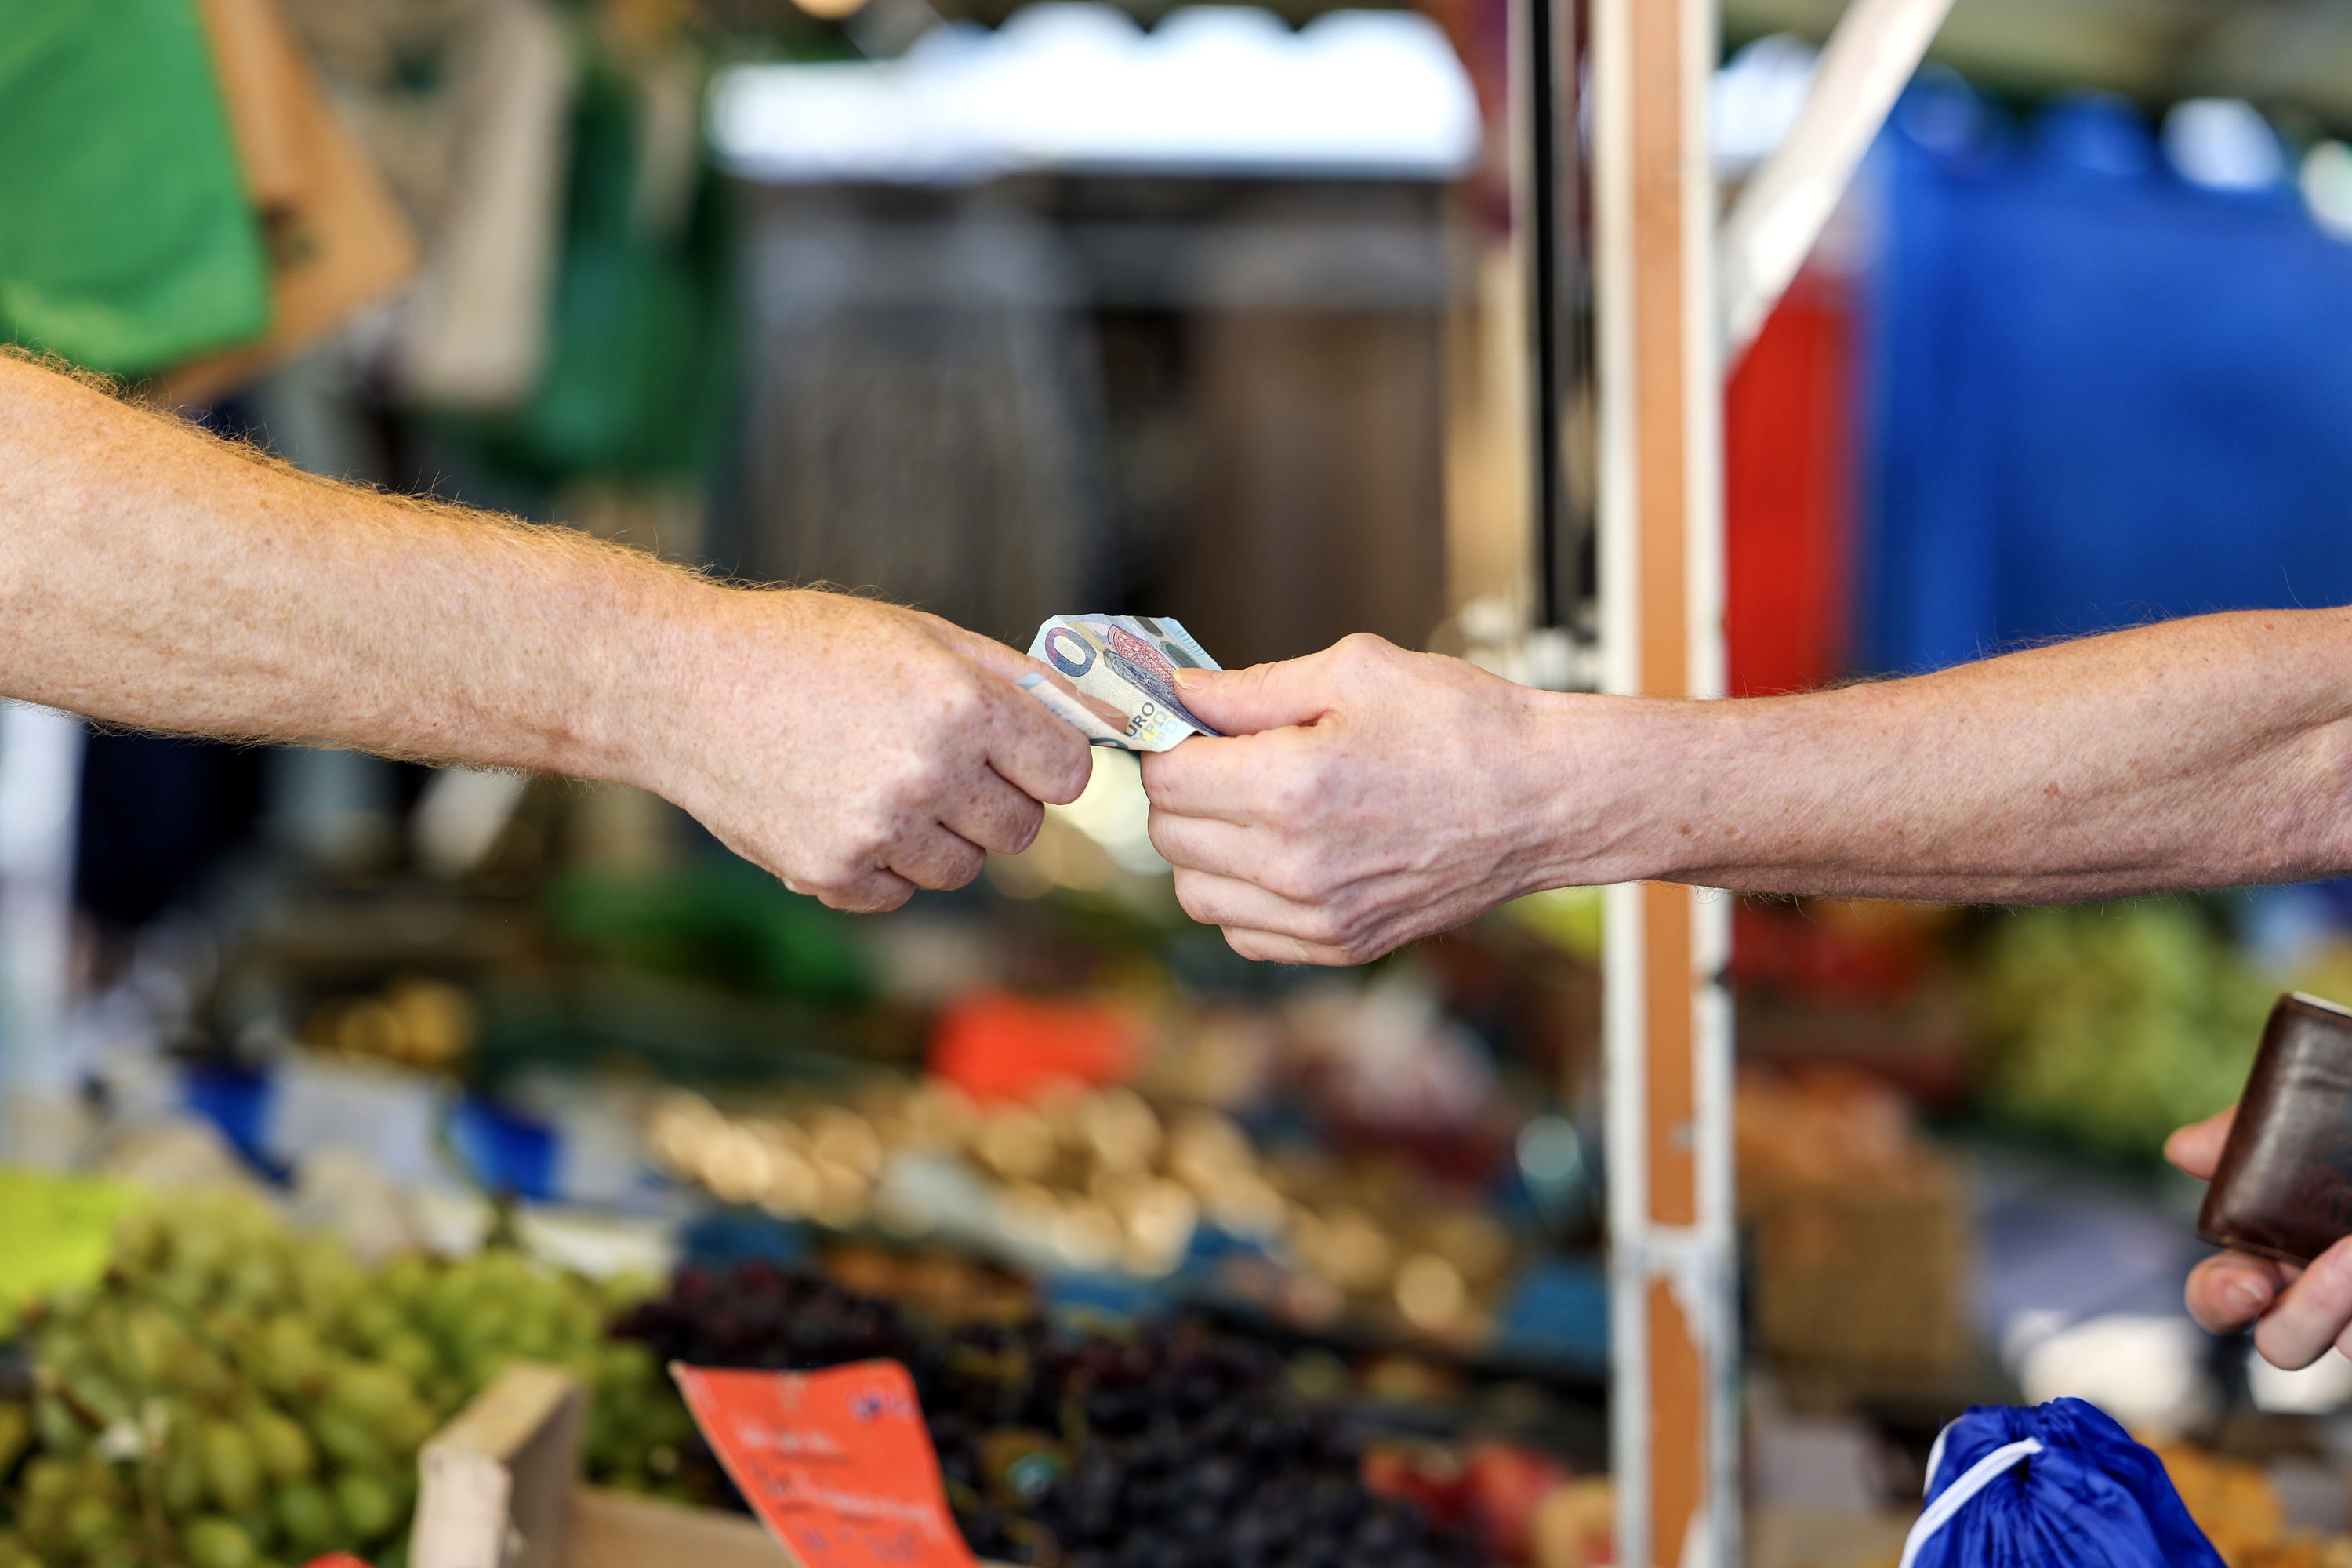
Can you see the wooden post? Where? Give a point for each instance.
(1675, 1351)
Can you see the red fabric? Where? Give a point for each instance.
(1788, 467)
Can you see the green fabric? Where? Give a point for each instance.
(641, 337)
(126, 240)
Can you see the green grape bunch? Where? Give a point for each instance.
(233, 1395)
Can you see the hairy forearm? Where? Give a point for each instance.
(2201, 752)
(152, 576)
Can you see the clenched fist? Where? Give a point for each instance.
(857, 750)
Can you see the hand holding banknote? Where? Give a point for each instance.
(1361, 797)
(1330, 808)
(1122, 670)
(871, 749)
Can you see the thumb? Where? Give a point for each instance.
(1263, 697)
(2196, 1148)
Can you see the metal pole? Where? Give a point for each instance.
(1548, 210)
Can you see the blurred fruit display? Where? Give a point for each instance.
(1155, 1445)
(2235, 1503)
(416, 1021)
(231, 1394)
(1101, 1180)
(2111, 1024)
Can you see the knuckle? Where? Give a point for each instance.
(867, 840)
(1021, 828)
(1293, 877)
(954, 867)
(1192, 896)
(1309, 875)
(964, 701)
(954, 700)
(1327, 928)
(1299, 798)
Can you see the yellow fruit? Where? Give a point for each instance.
(309, 1519)
(366, 1505)
(90, 1522)
(231, 1470)
(215, 1543)
(367, 1392)
(346, 1441)
(282, 1447)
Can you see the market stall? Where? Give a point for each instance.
(450, 1168)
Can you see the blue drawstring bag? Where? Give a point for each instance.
(2060, 1483)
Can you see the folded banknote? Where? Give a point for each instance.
(1125, 665)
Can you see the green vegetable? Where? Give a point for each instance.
(2111, 1024)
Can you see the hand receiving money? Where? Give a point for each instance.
(1124, 668)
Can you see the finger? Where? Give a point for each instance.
(2231, 1290)
(1267, 947)
(1095, 705)
(2196, 1148)
(869, 893)
(994, 816)
(1318, 933)
(2311, 1313)
(1205, 843)
(936, 857)
(1263, 697)
(1236, 903)
(1032, 750)
(1216, 778)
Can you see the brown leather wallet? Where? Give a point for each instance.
(2284, 1184)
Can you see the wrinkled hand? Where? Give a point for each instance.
(860, 750)
(2303, 1309)
(1361, 797)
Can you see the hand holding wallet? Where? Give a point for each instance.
(2283, 1188)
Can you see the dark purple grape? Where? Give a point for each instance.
(1185, 1446)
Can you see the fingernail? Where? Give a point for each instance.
(1190, 680)
(2245, 1299)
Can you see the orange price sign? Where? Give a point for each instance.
(837, 1463)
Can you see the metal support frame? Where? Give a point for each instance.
(1546, 190)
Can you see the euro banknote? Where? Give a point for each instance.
(1128, 665)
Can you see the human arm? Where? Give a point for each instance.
(1367, 797)
(152, 576)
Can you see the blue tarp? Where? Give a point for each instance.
(2095, 394)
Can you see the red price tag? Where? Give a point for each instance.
(837, 1463)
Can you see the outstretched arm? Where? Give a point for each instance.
(152, 576)
(1369, 796)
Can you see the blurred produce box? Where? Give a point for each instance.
(1861, 1228)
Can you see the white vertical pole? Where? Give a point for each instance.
(1673, 1393)
(40, 781)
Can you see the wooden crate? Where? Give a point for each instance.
(1868, 1278)
(500, 1488)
